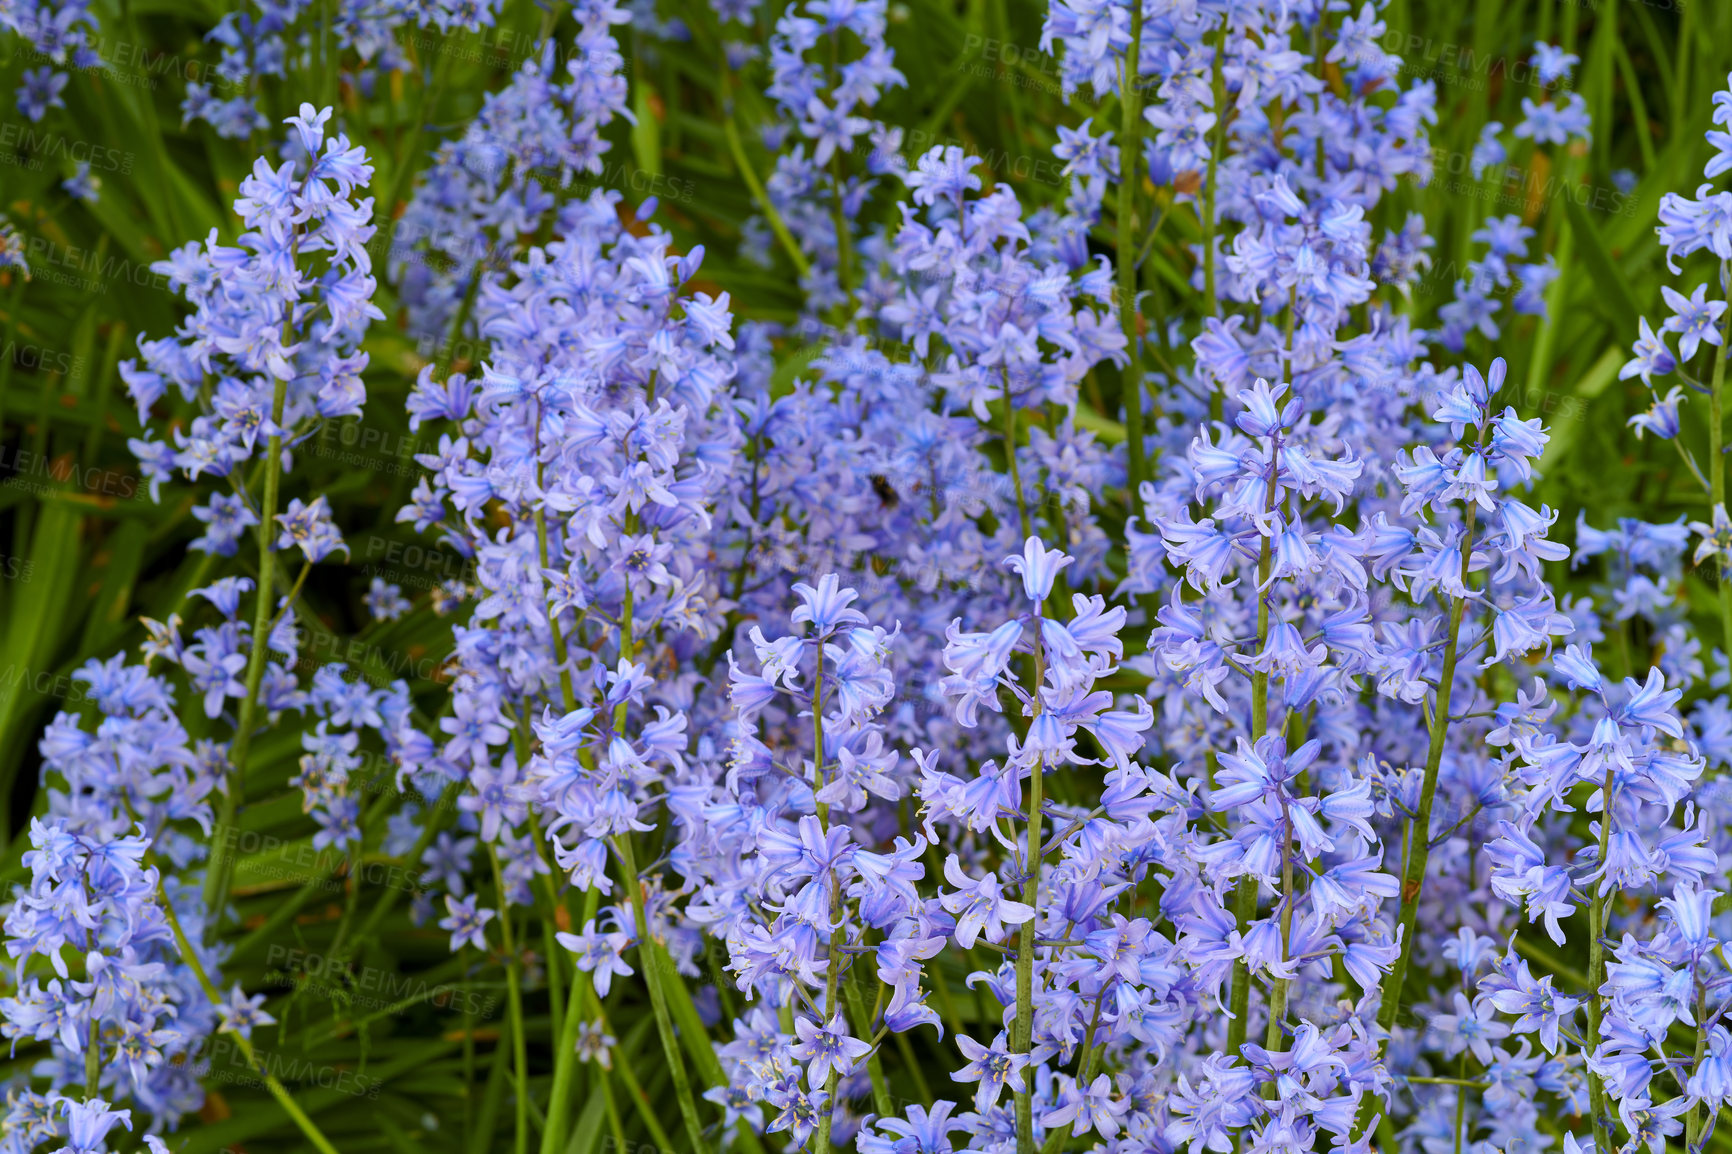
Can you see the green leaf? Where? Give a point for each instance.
(107, 612)
(1612, 296)
(1107, 429)
(796, 364)
(646, 134)
(1567, 428)
(36, 613)
(586, 1135)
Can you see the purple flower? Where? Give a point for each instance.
(1540, 1007)
(41, 91)
(979, 906)
(1694, 318)
(1712, 1080)
(596, 953)
(1716, 540)
(1651, 354)
(1472, 1027)
(943, 173)
(1096, 1108)
(241, 1013)
(826, 607)
(1662, 418)
(468, 925)
(992, 1067)
(1038, 567)
(309, 528)
(800, 1111)
(827, 1048)
(1551, 63)
(88, 1124)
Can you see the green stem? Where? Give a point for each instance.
(1461, 1101)
(1690, 464)
(650, 955)
(93, 1058)
(1274, 1038)
(218, 875)
(1023, 1040)
(565, 1063)
(290, 1107)
(556, 976)
(442, 361)
(1259, 726)
(93, 1042)
(822, 808)
(732, 131)
(1148, 244)
(913, 1067)
(1413, 876)
(1693, 1120)
(941, 988)
(1717, 469)
(1211, 297)
(646, 1109)
(560, 651)
(1130, 174)
(874, 1067)
(844, 240)
(469, 1120)
(832, 972)
(1086, 1060)
(514, 1003)
(405, 159)
(564, 1069)
(446, 804)
(1681, 70)
(289, 601)
(1010, 456)
(627, 642)
(1240, 1005)
(1597, 969)
(13, 303)
(839, 936)
(614, 1124)
(1085, 1073)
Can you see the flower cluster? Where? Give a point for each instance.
(121, 1012)
(280, 38)
(63, 35)
(273, 345)
(946, 764)
(490, 192)
(1688, 226)
(830, 156)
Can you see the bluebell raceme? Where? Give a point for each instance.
(811, 677)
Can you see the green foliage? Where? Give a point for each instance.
(387, 1040)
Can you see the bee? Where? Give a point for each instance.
(885, 490)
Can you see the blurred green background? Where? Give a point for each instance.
(84, 552)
